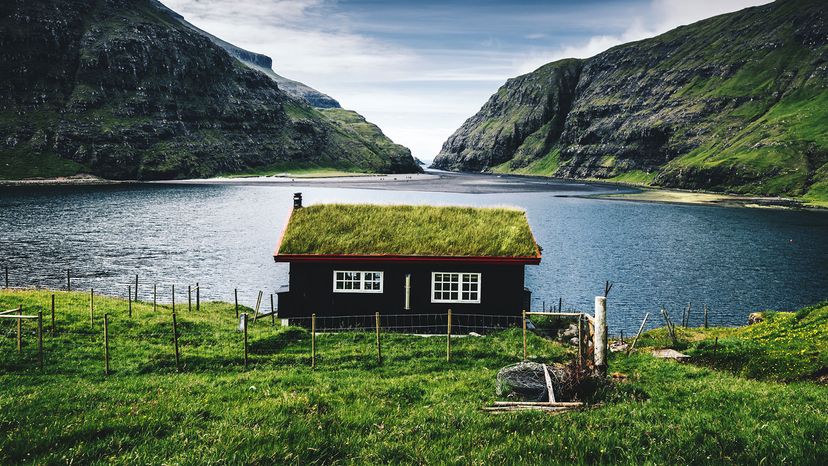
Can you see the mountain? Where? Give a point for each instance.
(123, 89)
(262, 63)
(737, 103)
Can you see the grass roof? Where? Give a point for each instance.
(360, 229)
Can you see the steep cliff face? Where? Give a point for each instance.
(737, 102)
(121, 89)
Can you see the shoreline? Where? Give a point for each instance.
(459, 182)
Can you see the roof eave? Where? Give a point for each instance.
(526, 260)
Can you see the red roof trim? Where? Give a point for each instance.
(531, 260)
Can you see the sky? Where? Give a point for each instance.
(419, 69)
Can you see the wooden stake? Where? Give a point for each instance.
(448, 337)
(244, 324)
(640, 329)
(272, 312)
(19, 329)
(154, 297)
(313, 341)
(68, 281)
(236, 295)
(106, 344)
(53, 315)
(258, 304)
(175, 341)
(560, 304)
(173, 299)
(129, 294)
(7, 276)
(198, 297)
(136, 287)
(379, 348)
(524, 335)
(189, 298)
(599, 344)
(705, 316)
(40, 339)
(91, 307)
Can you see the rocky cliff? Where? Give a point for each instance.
(122, 89)
(737, 102)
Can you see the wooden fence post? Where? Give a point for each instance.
(236, 296)
(524, 335)
(189, 298)
(640, 329)
(258, 304)
(136, 287)
(705, 316)
(448, 336)
(244, 324)
(272, 312)
(313, 341)
(129, 293)
(106, 344)
(581, 352)
(7, 276)
(154, 297)
(175, 342)
(198, 297)
(92, 307)
(173, 298)
(40, 339)
(379, 348)
(600, 342)
(68, 281)
(53, 315)
(19, 329)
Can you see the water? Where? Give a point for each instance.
(734, 260)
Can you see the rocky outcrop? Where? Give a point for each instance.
(121, 89)
(731, 103)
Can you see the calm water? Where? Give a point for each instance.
(734, 260)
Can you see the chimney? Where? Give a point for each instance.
(297, 200)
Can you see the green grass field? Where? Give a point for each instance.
(415, 408)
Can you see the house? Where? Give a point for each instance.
(348, 260)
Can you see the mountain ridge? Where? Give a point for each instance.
(732, 103)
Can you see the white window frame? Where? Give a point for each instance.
(361, 280)
(459, 292)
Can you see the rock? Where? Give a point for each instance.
(660, 110)
(755, 318)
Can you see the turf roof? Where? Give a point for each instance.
(361, 229)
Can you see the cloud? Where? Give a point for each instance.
(659, 17)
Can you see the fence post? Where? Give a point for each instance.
(91, 307)
(600, 341)
(129, 293)
(272, 312)
(244, 324)
(19, 329)
(705, 316)
(448, 336)
(154, 297)
(175, 342)
(236, 296)
(68, 281)
(198, 297)
(53, 315)
(258, 303)
(40, 339)
(580, 342)
(136, 287)
(379, 348)
(313, 341)
(524, 335)
(173, 298)
(7, 276)
(189, 298)
(106, 344)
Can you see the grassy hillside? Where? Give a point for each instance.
(414, 409)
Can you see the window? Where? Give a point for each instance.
(454, 287)
(346, 281)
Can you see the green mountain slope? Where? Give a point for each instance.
(122, 89)
(738, 102)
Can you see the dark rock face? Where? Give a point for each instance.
(730, 103)
(126, 91)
